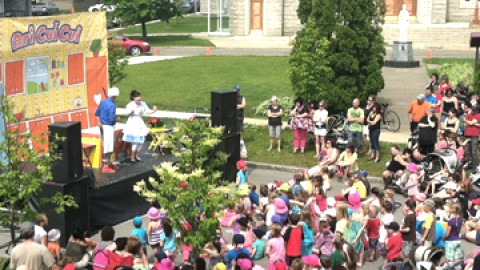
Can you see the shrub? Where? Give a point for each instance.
(458, 72)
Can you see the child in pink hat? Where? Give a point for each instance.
(155, 227)
(281, 212)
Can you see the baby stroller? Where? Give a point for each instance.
(437, 164)
(400, 265)
(338, 129)
(427, 258)
(439, 161)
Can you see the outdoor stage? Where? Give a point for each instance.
(111, 196)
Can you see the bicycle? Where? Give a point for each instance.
(390, 119)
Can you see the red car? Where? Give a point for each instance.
(132, 46)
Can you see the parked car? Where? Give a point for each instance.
(44, 8)
(132, 46)
(111, 21)
(101, 7)
(185, 6)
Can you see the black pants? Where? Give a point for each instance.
(426, 148)
(413, 126)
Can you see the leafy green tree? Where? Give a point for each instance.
(309, 70)
(355, 52)
(23, 171)
(142, 11)
(189, 189)
(116, 64)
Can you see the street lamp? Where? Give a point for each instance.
(475, 42)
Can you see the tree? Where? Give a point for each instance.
(189, 189)
(355, 51)
(23, 172)
(310, 73)
(116, 64)
(142, 11)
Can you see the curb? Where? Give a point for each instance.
(292, 169)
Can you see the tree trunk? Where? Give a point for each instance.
(12, 227)
(144, 31)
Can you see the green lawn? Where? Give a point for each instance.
(256, 140)
(157, 41)
(188, 24)
(441, 61)
(184, 84)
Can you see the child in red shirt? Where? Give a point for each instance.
(293, 239)
(394, 242)
(373, 231)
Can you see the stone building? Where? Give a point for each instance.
(433, 23)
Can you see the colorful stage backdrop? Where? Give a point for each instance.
(53, 68)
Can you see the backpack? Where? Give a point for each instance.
(100, 258)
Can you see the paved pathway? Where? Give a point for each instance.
(259, 177)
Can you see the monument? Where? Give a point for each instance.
(402, 51)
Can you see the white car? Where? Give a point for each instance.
(115, 21)
(101, 7)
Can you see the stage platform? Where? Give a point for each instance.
(111, 196)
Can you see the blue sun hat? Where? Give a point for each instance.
(137, 221)
(236, 87)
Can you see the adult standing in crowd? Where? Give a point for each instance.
(433, 82)
(299, 116)
(461, 93)
(417, 110)
(355, 118)
(373, 120)
(472, 131)
(368, 108)
(320, 120)
(430, 97)
(40, 233)
(241, 105)
(449, 101)
(107, 118)
(445, 84)
(135, 129)
(427, 136)
(274, 113)
(29, 253)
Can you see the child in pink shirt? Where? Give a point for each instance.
(275, 247)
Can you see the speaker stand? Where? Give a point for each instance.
(71, 217)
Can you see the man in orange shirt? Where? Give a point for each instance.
(417, 110)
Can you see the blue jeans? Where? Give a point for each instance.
(355, 138)
(375, 140)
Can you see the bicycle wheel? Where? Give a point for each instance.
(391, 121)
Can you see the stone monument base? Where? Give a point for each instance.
(402, 55)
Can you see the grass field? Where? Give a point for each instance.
(256, 140)
(184, 84)
(187, 24)
(157, 41)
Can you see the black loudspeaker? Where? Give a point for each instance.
(475, 39)
(230, 145)
(71, 217)
(69, 166)
(224, 110)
